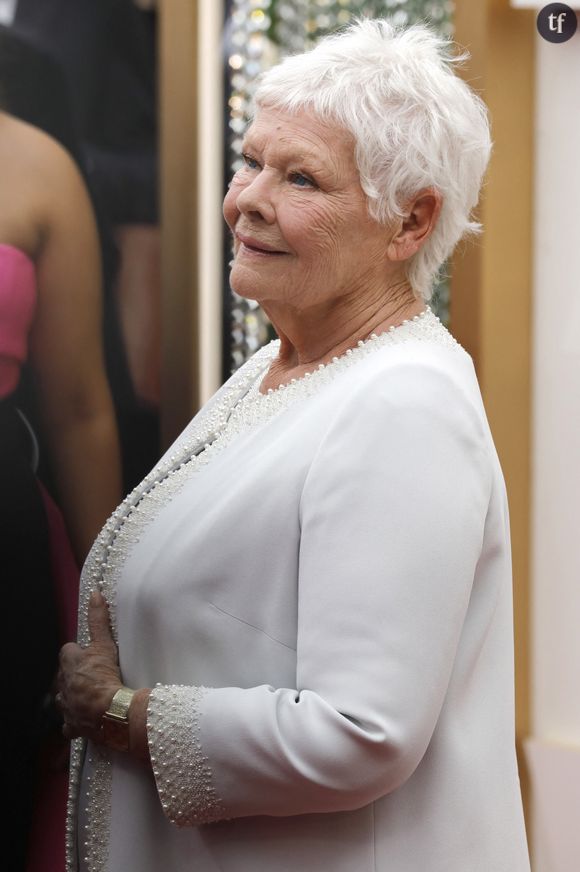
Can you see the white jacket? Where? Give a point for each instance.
(323, 597)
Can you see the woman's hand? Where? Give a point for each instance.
(89, 677)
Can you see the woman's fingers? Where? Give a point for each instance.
(70, 654)
(98, 619)
(88, 677)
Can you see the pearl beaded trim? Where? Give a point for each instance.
(101, 571)
(181, 770)
(238, 407)
(361, 344)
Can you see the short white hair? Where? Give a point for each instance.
(415, 123)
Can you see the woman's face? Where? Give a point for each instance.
(302, 233)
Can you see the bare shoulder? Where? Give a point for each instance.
(39, 179)
(25, 148)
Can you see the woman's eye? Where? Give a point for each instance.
(250, 162)
(301, 181)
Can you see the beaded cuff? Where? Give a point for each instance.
(182, 774)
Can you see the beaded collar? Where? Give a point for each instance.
(360, 349)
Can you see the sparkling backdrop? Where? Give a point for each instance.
(257, 34)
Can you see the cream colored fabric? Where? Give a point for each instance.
(338, 579)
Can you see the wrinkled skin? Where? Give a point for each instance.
(335, 274)
(89, 677)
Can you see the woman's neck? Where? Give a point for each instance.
(314, 336)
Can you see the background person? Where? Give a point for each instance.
(105, 54)
(50, 319)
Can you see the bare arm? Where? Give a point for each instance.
(138, 299)
(67, 356)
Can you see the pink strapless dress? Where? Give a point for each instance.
(17, 310)
(17, 306)
(18, 300)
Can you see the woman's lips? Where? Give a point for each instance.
(254, 247)
(248, 251)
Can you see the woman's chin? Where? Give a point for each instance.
(245, 283)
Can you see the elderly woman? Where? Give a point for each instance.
(310, 595)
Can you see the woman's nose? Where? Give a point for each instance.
(255, 198)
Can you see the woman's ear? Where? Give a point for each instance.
(421, 215)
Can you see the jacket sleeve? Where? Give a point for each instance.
(392, 518)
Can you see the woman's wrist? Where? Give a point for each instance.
(123, 726)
